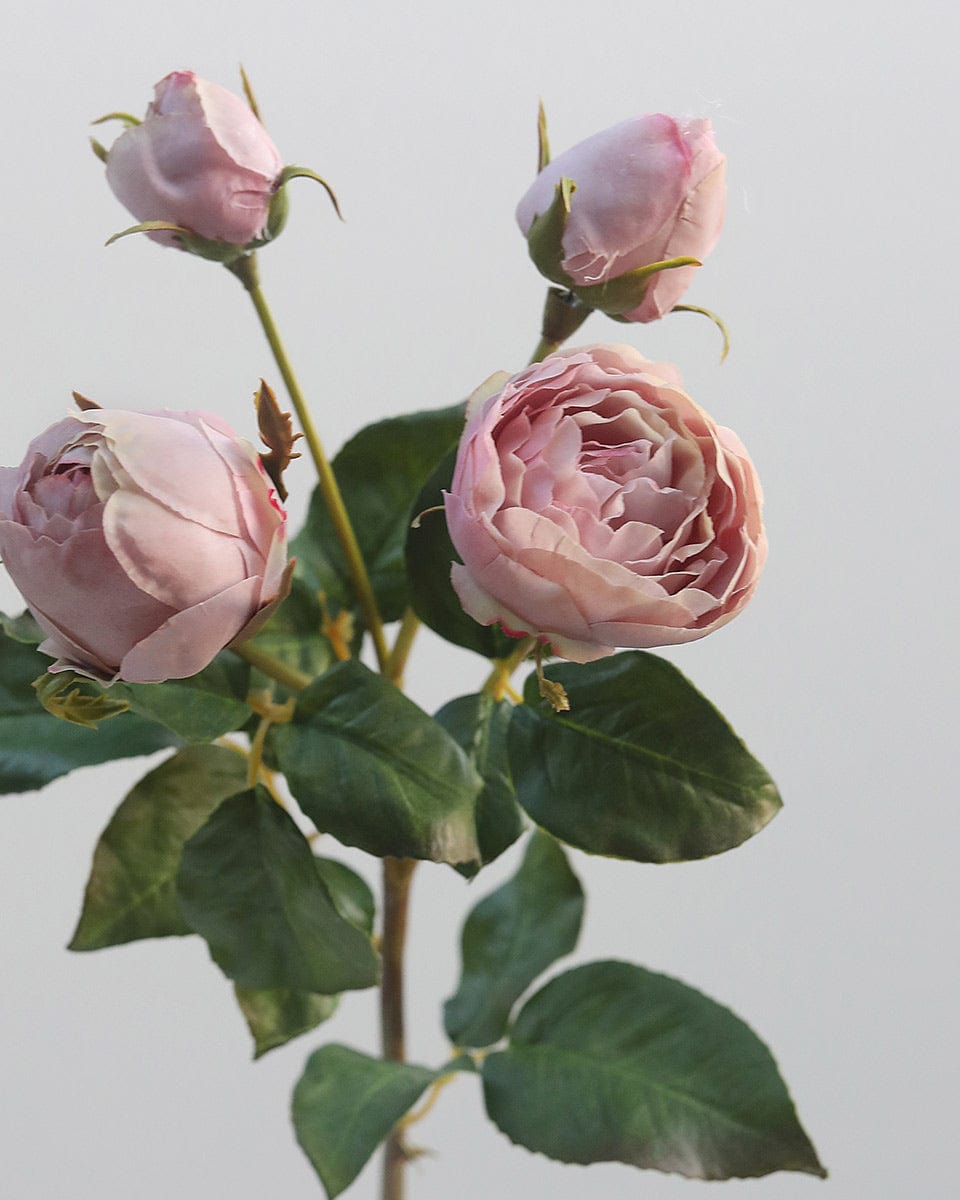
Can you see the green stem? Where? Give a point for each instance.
(499, 677)
(397, 662)
(563, 314)
(289, 677)
(397, 876)
(245, 269)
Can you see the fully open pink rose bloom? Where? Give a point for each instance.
(595, 505)
(143, 542)
(647, 190)
(200, 159)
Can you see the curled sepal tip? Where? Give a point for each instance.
(84, 403)
(70, 697)
(248, 94)
(715, 318)
(127, 118)
(292, 172)
(147, 227)
(99, 149)
(623, 294)
(543, 142)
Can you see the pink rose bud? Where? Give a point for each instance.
(645, 191)
(143, 542)
(595, 505)
(200, 160)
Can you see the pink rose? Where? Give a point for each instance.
(142, 542)
(595, 505)
(647, 190)
(200, 160)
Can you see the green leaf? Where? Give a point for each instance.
(345, 1104)
(349, 892)
(380, 472)
(370, 767)
(430, 554)
(248, 883)
(479, 724)
(610, 1062)
(22, 628)
(510, 938)
(131, 892)
(276, 1016)
(641, 767)
(293, 632)
(199, 709)
(36, 747)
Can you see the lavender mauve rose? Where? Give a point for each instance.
(200, 160)
(143, 542)
(595, 505)
(647, 190)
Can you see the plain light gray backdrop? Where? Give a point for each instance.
(125, 1072)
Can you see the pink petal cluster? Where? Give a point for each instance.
(649, 189)
(595, 505)
(200, 159)
(143, 542)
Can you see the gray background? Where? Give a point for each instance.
(125, 1073)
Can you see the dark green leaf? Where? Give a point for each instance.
(609, 1062)
(249, 884)
(36, 747)
(293, 632)
(131, 892)
(345, 1104)
(277, 1015)
(641, 767)
(430, 554)
(380, 471)
(199, 709)
(479, 724)
(349, 892)
(22, 628)
(370, 767)
(510, 938)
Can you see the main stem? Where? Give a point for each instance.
(397, 876)
(245, 269)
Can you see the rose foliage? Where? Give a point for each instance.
(582, 506)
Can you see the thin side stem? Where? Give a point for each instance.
(245, 270)
(397, 662)
(290, 677)
(498, 681)
(397, 876)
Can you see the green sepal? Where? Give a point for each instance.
(479, 725)
(429, 555)
(624, 293)
(545, 235)
(612, 1063)
(127, 118)
(642, 767)
(226, 253)
(99, 149)
(276, 1016)
(345, 1104)
(543, 142)
(370, 767)
(36, 748)
(292, 172)
(712, 316)
(75, 698)
(249, 884)
(510, 938)
(131, 891)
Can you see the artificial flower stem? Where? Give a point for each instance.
(289, 677)
(563, 314)
(396, 664)
(397, 876)
(245, 269)
(498, 681)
